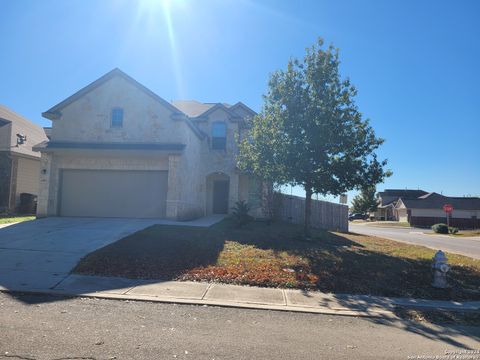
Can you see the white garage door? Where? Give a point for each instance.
(402, 215)
(111, 193)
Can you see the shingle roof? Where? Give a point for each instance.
(194, 108)
(11, 116)
(436, 201)
(403, 193)
(20, 125)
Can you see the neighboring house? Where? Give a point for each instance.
(48, 132)
(19, 165)
(427, 210)
(388, 199)
(117, 149)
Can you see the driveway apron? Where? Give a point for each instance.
(38, 254)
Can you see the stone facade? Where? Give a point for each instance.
(85, 118)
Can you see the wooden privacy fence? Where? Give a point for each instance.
(325, 215)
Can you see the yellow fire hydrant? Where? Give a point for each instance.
(440, 269)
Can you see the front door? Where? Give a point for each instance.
(220, 196)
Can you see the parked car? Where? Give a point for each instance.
(357, 216)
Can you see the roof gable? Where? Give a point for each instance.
(241, 106)
(55, 111)
(200, 111)
(218, 107)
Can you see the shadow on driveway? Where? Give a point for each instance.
(37, 255)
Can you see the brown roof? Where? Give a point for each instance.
(192, 108)
(436, 201)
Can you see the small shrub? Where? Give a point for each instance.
(440, 228)
(240, 213)
(452, 230)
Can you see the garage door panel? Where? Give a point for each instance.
(102, 193)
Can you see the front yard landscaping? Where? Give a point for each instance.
(276, 255)
(9, 219)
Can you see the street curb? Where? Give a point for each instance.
(377, 313)
(383, 314)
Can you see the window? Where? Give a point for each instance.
(117, 117)
(219, 136)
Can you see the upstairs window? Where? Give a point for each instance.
(117, 118)
(219, 136)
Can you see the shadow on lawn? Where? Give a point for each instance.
(337, 263)
(344, 265)
(158, 252)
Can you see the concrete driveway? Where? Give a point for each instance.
(469, 246)
(38, 254)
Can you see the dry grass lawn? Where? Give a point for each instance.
(13, 219)
(276, 255)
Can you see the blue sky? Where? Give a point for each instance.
(415, 64)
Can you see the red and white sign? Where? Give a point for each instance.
(448, 208)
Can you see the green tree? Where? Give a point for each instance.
(310, 132)
(366, 201)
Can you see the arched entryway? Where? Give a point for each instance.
(218, 190)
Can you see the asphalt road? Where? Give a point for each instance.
(43, 327)
(469, 246)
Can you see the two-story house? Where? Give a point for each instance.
(117, 149)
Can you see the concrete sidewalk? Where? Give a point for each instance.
(241, 296)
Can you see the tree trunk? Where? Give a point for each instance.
(308, 211)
